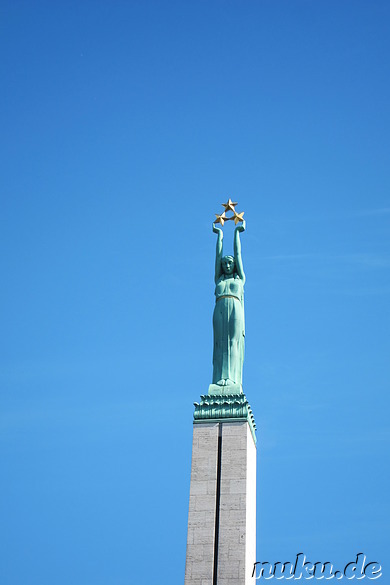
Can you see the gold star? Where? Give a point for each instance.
(220, 218)
(238, 217)
(229, 206)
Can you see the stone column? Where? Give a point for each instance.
(221, 541)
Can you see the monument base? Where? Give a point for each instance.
(223, 406)
(229, 389)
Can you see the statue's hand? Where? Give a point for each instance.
(217, 230)
(241, 227)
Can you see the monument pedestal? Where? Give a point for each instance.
(221, 541)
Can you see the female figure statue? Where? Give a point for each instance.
(228, 318)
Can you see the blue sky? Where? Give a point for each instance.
(125, 125)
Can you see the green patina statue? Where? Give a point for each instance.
(228, 318)
(225, 400)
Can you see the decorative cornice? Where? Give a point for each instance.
(234, 407)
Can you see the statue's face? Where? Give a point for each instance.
(228, 265)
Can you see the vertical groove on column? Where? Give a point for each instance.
(217, 503)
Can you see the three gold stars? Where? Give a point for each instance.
(229, 206)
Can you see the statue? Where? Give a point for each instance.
(228, 317)
(225, 400)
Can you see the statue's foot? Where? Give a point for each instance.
(225, 382)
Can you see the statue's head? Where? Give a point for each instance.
(228, 265)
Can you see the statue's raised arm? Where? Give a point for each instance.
(237, 251)
(218, 253)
